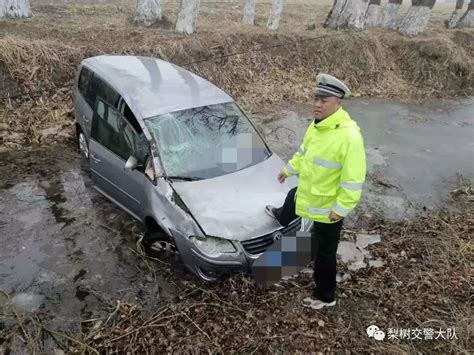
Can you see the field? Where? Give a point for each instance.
(39, 56)
(426, 280)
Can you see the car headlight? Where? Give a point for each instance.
(213, 246)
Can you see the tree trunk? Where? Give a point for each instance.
(331, 19)
(456, 15)
(17, 9)
(353, 14)
(390, 14)
(467, 20)
(187, 16)
(373, 16)
(249, 12)
(274, 18)
(417, 17)
(147, 12)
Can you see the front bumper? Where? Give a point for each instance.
(239, 261)
(193, 258)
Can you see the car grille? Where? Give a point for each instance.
(260, 244)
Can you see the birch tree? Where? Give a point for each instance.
(417, 17)
(274, 17)
(467, 20)
(16, 9)
(187, 16)
(456, 15)
(373, 16)
(249, 12)
(147, 12)
(352, 14)
(333, 15)
(390, 14)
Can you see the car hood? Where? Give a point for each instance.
(232, 206)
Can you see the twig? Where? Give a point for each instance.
(5, 294)
(143, 255)
(141, 328)
(68, 337)
(200, 329)
(308, 335)
(363, 291)
(156, 316)
(117, 309)
(110, 229)
(285, 293)
(224, 302)
(348, 327)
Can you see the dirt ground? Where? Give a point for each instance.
(72, 277)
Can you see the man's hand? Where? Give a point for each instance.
(334, 217)
(281, 177)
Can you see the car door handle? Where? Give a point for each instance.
(85, 118)
(94, 158)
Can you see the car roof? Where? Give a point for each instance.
(154, 87)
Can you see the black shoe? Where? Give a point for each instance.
(270, 210)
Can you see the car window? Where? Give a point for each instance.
(101, 108)
(140, 142)
(128, 114)
(99, 89)
(112, 131)
(205, 142)
(84, 81)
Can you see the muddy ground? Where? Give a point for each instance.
(69, 254)
(71, 276)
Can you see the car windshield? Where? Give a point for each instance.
(206, 142)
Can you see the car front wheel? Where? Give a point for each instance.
(207, 276)
(83, 144)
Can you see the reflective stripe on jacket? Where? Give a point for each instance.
(330, 165)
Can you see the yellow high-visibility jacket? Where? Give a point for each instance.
(330, 165)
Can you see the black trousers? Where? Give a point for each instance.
(325, 239)
(286, 213)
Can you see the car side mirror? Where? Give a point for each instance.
(132, 163)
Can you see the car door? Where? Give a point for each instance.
(113, 141)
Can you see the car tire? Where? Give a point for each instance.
(151, 237)
(82, 143)
(206, 276)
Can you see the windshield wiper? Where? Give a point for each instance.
(185, 178)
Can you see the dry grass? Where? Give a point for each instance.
(375, 63)
(274, 69)
(428, 287)
(28, 120)
(38, 64)
(236, 315)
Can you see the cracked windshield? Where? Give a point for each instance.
(207, 142)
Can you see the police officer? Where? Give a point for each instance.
(330, 165)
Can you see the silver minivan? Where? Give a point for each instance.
(179, 155)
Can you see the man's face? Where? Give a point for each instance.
(325, 106)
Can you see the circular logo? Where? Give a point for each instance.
(371, 329)
(277, 236)
(379, 335)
